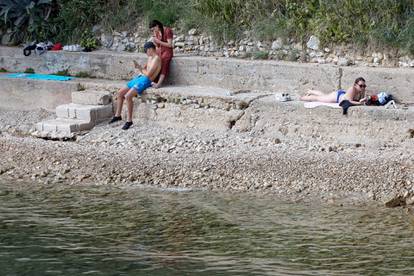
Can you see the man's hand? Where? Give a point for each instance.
(155, 85)
(137, 65)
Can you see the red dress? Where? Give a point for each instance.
(165, 53)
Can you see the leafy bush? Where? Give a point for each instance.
(29, 71)
(406, 36)
(83, 74)
(381, 24)
(166, 11)
(88, 41)
(64, 72)
(260, 55)
(76, 16)
(26, 18)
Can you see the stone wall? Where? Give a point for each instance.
(235, 74)
(195, 43)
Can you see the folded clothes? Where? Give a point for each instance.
(72, 48)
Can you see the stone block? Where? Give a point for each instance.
(103, 113)
(71, 111)
(63, 127)
(89, 113)
(62, 111)
(91, 97)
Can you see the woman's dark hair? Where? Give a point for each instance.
(359, 79)
(154, 23)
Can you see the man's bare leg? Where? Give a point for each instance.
(120, 100)
(130, 105)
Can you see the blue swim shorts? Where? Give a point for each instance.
(339, 93)
(139, 83)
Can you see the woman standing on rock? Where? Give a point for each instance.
(163, 40)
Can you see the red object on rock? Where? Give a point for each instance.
(57, 47)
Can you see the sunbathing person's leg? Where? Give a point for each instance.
(314, 92)
(325, 98)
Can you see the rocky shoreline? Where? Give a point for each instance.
(216, 160)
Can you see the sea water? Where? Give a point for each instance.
(72, 230)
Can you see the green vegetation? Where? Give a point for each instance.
(3, 70)
(25, 18)
(81, 87)
(379, 24)
(83, 74)
(260, 55)
(29, 70)
(88, 41)
(64, 72)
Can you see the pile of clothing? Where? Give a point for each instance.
(380, 99)
(41, 48)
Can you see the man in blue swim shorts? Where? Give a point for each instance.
(147, 74)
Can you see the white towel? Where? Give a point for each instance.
(315, 104)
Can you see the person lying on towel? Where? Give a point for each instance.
(355, 94)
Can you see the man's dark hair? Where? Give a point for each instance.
(148, 45)
(359, 79)
(154, 23)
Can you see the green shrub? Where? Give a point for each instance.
(64, 72)
(3, 70)
(376, 23)
(260, 55)
(380, 24)
(29, 70)
(76, 16)
(83, 74)
(406, 36)
(25, 18)
(88, 41)
(166, 11)
(81, 87)
(270, 28)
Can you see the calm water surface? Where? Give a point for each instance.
(109, 231)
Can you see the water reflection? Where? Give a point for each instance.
(96, 230)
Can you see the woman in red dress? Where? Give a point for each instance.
(163, 40)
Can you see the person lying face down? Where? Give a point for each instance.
(355, 94)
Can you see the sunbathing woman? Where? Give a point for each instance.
(354, 94)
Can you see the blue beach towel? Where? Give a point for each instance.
(37, 76)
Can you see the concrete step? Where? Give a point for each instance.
(91, 97)
(90, 113)
(63, 128)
